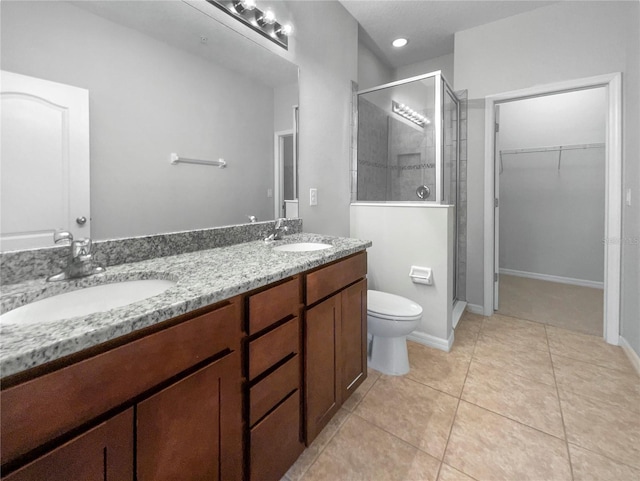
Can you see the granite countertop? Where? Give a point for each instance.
(203, 277)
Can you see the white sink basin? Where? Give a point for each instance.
(302, 247)
(86, 301)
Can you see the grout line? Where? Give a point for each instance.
(564, 426)
(617, 461)
(455, 415)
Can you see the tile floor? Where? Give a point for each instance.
(567, 306)
(514, 400)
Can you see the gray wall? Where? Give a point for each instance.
(148, 99)
(566, 40)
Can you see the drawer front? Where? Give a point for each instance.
(82, 391)
(274, 346)
(330, 279)
(274, 388)
(275, 441)
(274, 304)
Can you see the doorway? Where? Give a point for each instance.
(611, 84)
(550, 186)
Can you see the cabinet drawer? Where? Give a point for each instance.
(274, 388)
(275, 441)
(274, 304)
(82, 391)
(330, 279)
(274, 346)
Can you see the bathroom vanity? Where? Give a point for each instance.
(232, 388)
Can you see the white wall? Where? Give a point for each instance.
(565, 40)
(552, 220)
(148, 99)
(409, 235)
(443, 63)
(284, 98)
(371, 70)
(328, 61)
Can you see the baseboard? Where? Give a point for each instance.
(457, 312)
(631, 354)
(432, 341)
(550, 278)
(475, 309)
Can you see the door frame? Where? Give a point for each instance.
(613, 190)
(278, 169)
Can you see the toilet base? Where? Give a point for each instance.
(389, 355)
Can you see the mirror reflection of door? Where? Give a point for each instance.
(45, 161)
(286, 173)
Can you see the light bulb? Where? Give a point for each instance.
(269, 17)
(285, 30)
(399, 42)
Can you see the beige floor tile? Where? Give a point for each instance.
(529, 402)
(530, 363)
(309, 455)
(361, 451)
(615, 387)
(411, 411)
(584, 347)
(444, 371)
(567, 306)
(363, 389)
(602, 427)
(589, 466)
(464, 339)
(526, 334)
(471, 321)
(491, 447)
(447, 473)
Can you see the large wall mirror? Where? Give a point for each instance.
(163, 77)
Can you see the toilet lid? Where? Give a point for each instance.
(390, 305)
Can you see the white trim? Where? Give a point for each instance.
(400, 82)
(432, 341)
(458, 310)
(613, 190)
(548, 277)
(631, 354)
(475, 309)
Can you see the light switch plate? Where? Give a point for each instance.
(313, 196)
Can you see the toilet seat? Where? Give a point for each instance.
(394, 308)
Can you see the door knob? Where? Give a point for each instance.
(81, 220)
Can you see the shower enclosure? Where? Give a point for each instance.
(411, 148)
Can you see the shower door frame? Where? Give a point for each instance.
(439, 79)
(613, 191)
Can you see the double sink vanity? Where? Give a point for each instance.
(238, 362)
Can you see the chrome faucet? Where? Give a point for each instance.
(278, 230)
(80, 261)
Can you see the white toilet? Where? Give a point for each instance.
(390, 319)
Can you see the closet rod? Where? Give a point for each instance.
(554, 148)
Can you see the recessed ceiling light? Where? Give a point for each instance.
(400, 42)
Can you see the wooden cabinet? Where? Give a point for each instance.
(182, 380)
(216, 394)
(181, 430)
(335, 340)
(274, 430)
(104, 453)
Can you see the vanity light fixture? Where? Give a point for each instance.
(262, 21)
(399, 42)
(409, 114)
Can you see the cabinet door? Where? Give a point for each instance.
(102, 453)
(322, 351)
(192, 430)
(353, 336)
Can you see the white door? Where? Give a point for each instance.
(497, 165)
(44, 168)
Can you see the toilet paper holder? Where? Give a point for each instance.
(421, 275)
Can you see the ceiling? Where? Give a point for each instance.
(429, 25)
